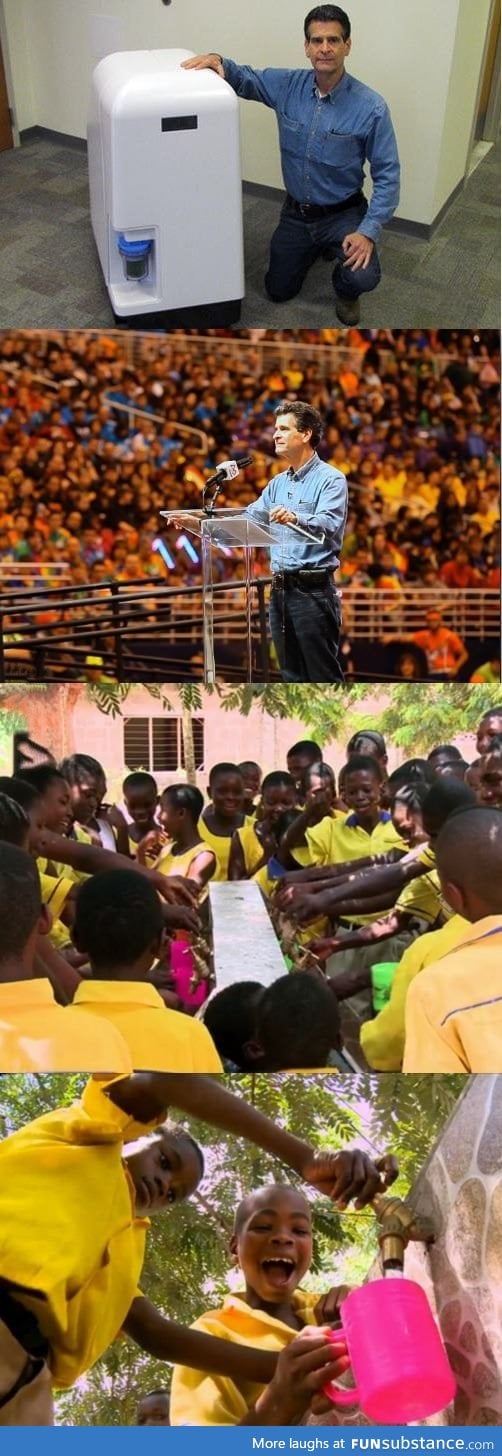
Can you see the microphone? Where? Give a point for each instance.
(228, 470)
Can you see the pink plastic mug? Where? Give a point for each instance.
(398, 1359)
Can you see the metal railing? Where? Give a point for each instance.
(148, 625)
(175, 426)
(264, 354)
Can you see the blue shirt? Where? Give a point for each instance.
(317, 493)
(325, 140)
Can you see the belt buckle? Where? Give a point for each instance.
(304, 208)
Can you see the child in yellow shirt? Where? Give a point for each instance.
(252, 775)
(291, 1025)
(224, 814)
(36, 1034)
(140, 797)
(253, 844)
(272, 1244)
(184, 853)
(119, 926)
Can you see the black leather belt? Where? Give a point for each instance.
(305, 578)
(313, 209)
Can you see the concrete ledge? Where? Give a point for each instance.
(244, 941)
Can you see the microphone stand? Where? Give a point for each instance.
(208, 508)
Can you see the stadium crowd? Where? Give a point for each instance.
(412, 418)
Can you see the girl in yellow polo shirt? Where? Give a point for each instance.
(185, 853)
(141, 798)
(224, 814)
(253, 844)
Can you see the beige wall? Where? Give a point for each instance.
(466, 65)
(66, 721)
(18, 56)
(405, 50)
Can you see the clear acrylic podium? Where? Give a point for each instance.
(233, 528)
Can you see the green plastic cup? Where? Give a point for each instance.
(382, 977)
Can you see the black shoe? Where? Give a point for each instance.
(347, 309)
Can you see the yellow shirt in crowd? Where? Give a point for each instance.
(454, 1008)
(251, 846)
(168, 1041)
(180, 864)
(334, 841)
(199, 1399)
(422, 897)
(55, 890)
(37, 1035)
(220, 843)
(382, 1039)
(69, 1237)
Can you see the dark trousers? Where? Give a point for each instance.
(297, 244)
(305, 626)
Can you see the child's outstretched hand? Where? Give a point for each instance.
(174, 888)
(151, 845)
(350, 1175)
(324, 947)
(303, 1368)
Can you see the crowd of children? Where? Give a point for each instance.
(105, 954)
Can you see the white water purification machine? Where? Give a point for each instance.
(165, 184)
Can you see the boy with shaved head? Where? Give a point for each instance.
(454, 1008)
(272, 1244)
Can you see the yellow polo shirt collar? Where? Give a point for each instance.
(170, 1041)
(38, 1035)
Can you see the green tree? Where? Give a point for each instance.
(415, 715)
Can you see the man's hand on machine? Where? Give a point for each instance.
(211, 62)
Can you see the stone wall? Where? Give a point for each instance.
(460, 1189)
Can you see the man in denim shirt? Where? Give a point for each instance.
(306, 508)
(311, 495)
(329, 126)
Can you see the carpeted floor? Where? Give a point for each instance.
(50, 274)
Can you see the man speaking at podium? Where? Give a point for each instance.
(307, 496)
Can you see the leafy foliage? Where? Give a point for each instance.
(188, 1267)
(414, 715)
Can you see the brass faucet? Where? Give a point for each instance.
(399, 1226)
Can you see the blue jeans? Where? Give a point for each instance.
(297, 244)
(305, 627)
